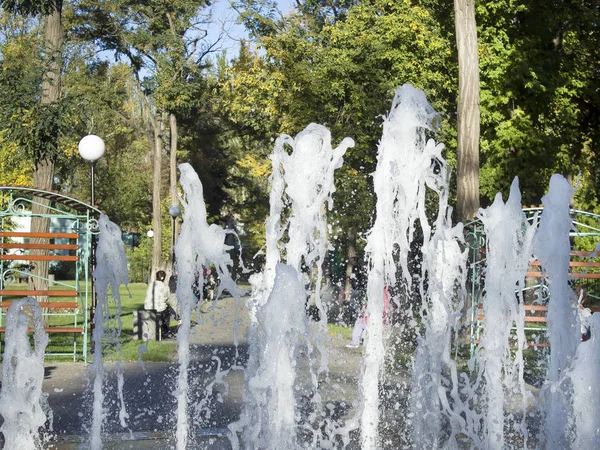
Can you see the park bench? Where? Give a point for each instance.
(59, 302)
(583, 270)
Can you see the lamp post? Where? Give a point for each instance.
(91, 148)
(174, 212)
(150, 234)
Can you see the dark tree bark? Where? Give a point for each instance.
(157, 126)
(173, 160)
(351, 262)
(173, 173)
(43, 172)
(467, 195)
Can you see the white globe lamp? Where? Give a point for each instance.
(91, 147)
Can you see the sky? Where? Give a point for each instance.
(224, 24)
(225, 17)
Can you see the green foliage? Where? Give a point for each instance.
(341, 72)
(539, 97)
(139, 260)
(103, 98)
(26, 123)
(31, 7)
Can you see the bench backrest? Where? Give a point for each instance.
(42, 244)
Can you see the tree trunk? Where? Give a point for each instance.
(351, 262)
(173, 158)
(43, 172)
(173, 178)
(156, 185)
(467, 194)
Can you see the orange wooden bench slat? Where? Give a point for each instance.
(527, 307)
(41, 246)
(27, 234)
(49, 305)
(535, 319)
(589, 276)
(54, 330)
(527, 318)
(37, 293)
(38, 258)
(529, 344)
(536, 308)
(63, 330)
(534, 274)
(573, 264)
(582, 253)
(584, 264)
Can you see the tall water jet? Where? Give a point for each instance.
(552, 248)
(509, 250)
(199, 245)
(302, 181)
(23, 404)
(442, 278)
(406, 164)
(110, 273)
(584, 375)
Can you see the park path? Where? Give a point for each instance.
(149, 388)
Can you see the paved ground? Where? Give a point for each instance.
(149, 389)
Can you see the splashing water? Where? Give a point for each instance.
(552, 248)
(23, 404)
(303, 181)
(509, 251)
(441, 286)
(272, 387)
(406, 164)
(436, 405)
(584, 374)
(110, 273)
(199, 244)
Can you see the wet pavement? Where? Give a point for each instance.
(149, 389)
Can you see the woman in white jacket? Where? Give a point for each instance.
(160, 299)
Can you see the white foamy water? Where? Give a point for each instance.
(442, 284)
(552, 247)
(405, 166)
(584, 376)
(437, 399)
(509, 250)
(302, 182)
(23, 404)
(198, 245)
(110, 273)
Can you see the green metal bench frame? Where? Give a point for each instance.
(71, 244)
(586, 227)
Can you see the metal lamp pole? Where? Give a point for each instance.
(91, 148)
(174, 212)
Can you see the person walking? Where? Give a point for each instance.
(160, 299)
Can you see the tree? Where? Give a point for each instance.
(342, 73)
(46, 149)
(539, 85)
(105, 102)
(162, 40)
(20, 78)
(467, 193)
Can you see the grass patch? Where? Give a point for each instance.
(132, 299)
(154, 351)
(339, 331)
